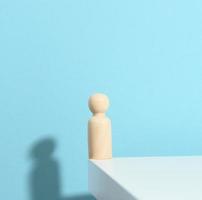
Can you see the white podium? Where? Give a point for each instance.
(146, 178)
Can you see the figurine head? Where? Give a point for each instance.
(98, 103)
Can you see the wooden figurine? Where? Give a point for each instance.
(99, 128)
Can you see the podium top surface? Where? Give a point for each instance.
(156, 178)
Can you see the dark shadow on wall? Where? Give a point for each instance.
(44, 180)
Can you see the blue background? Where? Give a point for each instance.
(146, 55)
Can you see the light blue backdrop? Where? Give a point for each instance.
(146, 55)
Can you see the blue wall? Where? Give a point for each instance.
(146, 55)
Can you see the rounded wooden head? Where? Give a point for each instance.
(98, 103)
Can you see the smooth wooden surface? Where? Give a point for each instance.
(146, 178)
(99, 128)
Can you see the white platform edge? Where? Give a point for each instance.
(103, 187)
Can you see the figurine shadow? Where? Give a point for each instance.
(44, 179)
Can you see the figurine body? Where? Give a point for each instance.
(99, 129)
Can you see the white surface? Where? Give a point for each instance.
(146, 178)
